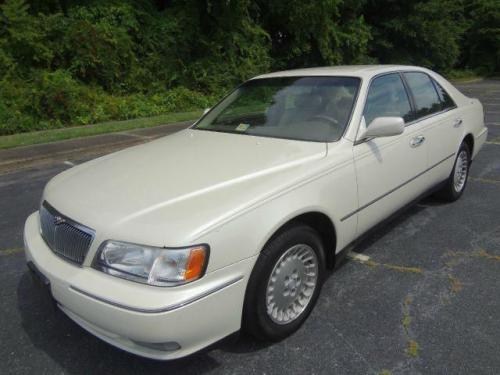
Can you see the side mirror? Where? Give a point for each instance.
(205, 111)
(384, 127)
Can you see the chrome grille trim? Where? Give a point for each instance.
(65, 237)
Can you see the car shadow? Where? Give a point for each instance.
(388, 226)
(78, 352)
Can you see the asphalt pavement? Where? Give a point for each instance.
(427, 301)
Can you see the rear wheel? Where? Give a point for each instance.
(455, 185)
(285, 284)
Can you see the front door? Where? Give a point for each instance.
(390, 170)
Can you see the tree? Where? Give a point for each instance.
(323, 32)
(416, 32)
(482, 41)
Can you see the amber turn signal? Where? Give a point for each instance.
(195, 263)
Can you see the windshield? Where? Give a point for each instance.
(302, 108)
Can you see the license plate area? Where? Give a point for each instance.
(42, 283)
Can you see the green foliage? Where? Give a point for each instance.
(420, 32)
(22, 46)
(56, 99)
(462, 75)
(322, 32)
(220, 43)
(72, 62)
(482, 42)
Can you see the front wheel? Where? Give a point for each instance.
(285, 284)
(455, 184)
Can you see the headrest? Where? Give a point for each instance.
(307, 101)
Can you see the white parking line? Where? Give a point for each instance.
(358, 256)
(67, 162)
(484, 180)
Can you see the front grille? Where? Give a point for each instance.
(65, 237)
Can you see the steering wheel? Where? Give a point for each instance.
(324, 118)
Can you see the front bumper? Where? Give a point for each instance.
(140, 318)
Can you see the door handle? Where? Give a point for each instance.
(417, 141)
(457, 123)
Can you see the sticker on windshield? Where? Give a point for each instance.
(242, 127)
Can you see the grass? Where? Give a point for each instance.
(45, 136)
(394, 267)
(483, 254)
(406, 321)
(412, 348)
(404, 269)
(11, 251)
(461, 76)
(485, 180)
(455, 284)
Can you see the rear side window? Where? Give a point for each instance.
(387, 97)
(446, 100)
(424, 94)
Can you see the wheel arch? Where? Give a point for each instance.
(320, 222)
(469, 141)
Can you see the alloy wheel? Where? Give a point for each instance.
(292, 284)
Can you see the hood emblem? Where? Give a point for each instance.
(59, 220)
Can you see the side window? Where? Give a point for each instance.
(446, 100)
(387, 97)
(425, 95)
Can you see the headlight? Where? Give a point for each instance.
(152, 265)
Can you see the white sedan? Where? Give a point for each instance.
(165, 248)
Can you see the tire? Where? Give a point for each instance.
(456, 182)
(279, 279)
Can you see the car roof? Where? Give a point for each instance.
(366, 72)
(363, 71)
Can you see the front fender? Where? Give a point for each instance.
(333, 194)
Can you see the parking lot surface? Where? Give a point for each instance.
(427, 301)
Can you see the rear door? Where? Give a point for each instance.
(435, 111)
(390, 170)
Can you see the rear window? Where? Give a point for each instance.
(446, 100)
(424, 94)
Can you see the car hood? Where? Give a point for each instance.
(167, 191)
